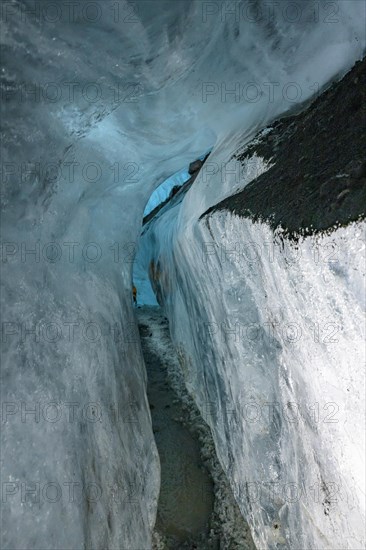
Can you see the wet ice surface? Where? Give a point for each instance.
(186, 490)
(196, 506)
(273, 343)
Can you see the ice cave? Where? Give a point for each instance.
(183, 206)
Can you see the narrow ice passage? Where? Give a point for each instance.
(101, 101)
(186, 491)
(196, 508)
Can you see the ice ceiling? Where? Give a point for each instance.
(150, 85)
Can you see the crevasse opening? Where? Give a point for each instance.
(162, 192)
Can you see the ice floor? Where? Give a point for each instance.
(196, 508)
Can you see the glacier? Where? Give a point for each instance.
(101, 103)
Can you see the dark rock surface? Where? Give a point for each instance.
(318, 177)
(195, 166)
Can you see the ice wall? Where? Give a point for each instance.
(271, 336)
(102, 101)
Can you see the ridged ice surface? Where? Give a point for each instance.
(100, 105)
(273, 340)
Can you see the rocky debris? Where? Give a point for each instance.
(318, 175)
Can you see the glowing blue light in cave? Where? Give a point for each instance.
(162, 192)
